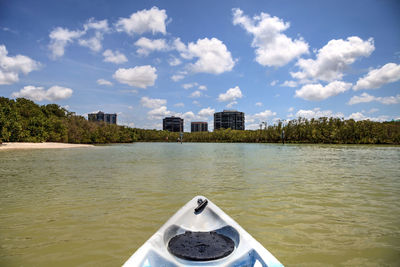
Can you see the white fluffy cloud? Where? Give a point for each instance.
(10, 67)
(388, 100)
(147, 20)
(262, 116)
(196, 94)
(363, 98)
(177, 77)
(93, 43)
(231, 95)
(146, 46)
(213, 55)
(159, 113)
(333, 59)
(317, 92)
(159, 110)
(273, 48)
(152, 102)
(231, 104)
(187, 115)
(359, 116)
(60, 38)
(181, 48)
(377, 77)
(174, 61)
(189, 85)
(274, 82)
(104, 82)
(289, 84)
(162, 111)
(366, 98)
(92, 24)
(99, 27)
(114, 57)
(206, 112)
(39, 93)
(317, 113)
(141, 76)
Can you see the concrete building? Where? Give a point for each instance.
(199, 126)
(101, 116)
(173, 124)
(229, 119)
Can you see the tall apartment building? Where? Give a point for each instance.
(101, 116)
(229, 119)
(199, 126)
(173, 124)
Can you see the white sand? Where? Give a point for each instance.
(7, 146)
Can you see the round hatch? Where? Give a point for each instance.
(201, 246)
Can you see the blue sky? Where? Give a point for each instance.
(273, 60)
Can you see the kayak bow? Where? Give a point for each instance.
(201, 234)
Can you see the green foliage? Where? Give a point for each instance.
(22, 120)
(322, 130)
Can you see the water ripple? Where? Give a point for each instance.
(310, 205)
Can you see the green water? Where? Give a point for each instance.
(309, 205)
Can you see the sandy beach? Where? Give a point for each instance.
(47, 145)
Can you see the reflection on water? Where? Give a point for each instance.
(310, 205)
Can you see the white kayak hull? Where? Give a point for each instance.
(247, 251)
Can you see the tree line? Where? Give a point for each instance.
(22, 120)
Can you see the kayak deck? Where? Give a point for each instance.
(199, 217)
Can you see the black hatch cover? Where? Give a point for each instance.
(201, 246)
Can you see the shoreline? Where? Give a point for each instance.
(45, 145)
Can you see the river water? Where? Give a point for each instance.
(309, 205)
